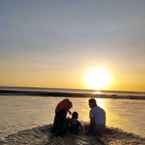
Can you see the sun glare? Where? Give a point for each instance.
(97, 78)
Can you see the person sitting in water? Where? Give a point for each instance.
(74, 124)
(97, 118)
(60, 125)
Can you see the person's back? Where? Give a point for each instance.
(99, 116)
(75, 125)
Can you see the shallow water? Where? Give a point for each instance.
(21, 112)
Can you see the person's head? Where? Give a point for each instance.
(92, 103)
(75, 115)
(65, 104)
(68, 103)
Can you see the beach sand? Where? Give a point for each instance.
(42, 136)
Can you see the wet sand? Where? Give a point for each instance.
(42, 136)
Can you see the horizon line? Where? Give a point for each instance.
(91, 90)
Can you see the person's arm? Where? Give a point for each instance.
(80, 126)
(92, 119)
(92, 122)
(69, 112)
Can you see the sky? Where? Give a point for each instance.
(52, 43)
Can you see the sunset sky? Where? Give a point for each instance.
(53, 43)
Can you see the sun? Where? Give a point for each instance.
(97, 78)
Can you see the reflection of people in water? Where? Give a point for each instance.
(60, 120)
(97, 118)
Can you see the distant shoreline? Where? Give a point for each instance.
(67, 92)
(71, 89)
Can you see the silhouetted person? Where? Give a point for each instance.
(74, 124)
(97, 118)
(60, 124)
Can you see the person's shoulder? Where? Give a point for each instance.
(78, 121)
(94, 110)
(101, 109)
(74, 121)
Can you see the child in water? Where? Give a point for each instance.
(75, 125)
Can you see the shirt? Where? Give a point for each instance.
(99, 116)
(75, 126)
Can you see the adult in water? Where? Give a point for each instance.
(97, 118)
(60, 120)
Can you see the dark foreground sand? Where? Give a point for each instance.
(42, 136)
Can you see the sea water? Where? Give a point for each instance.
(23, 112)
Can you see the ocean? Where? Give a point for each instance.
(24, 112)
